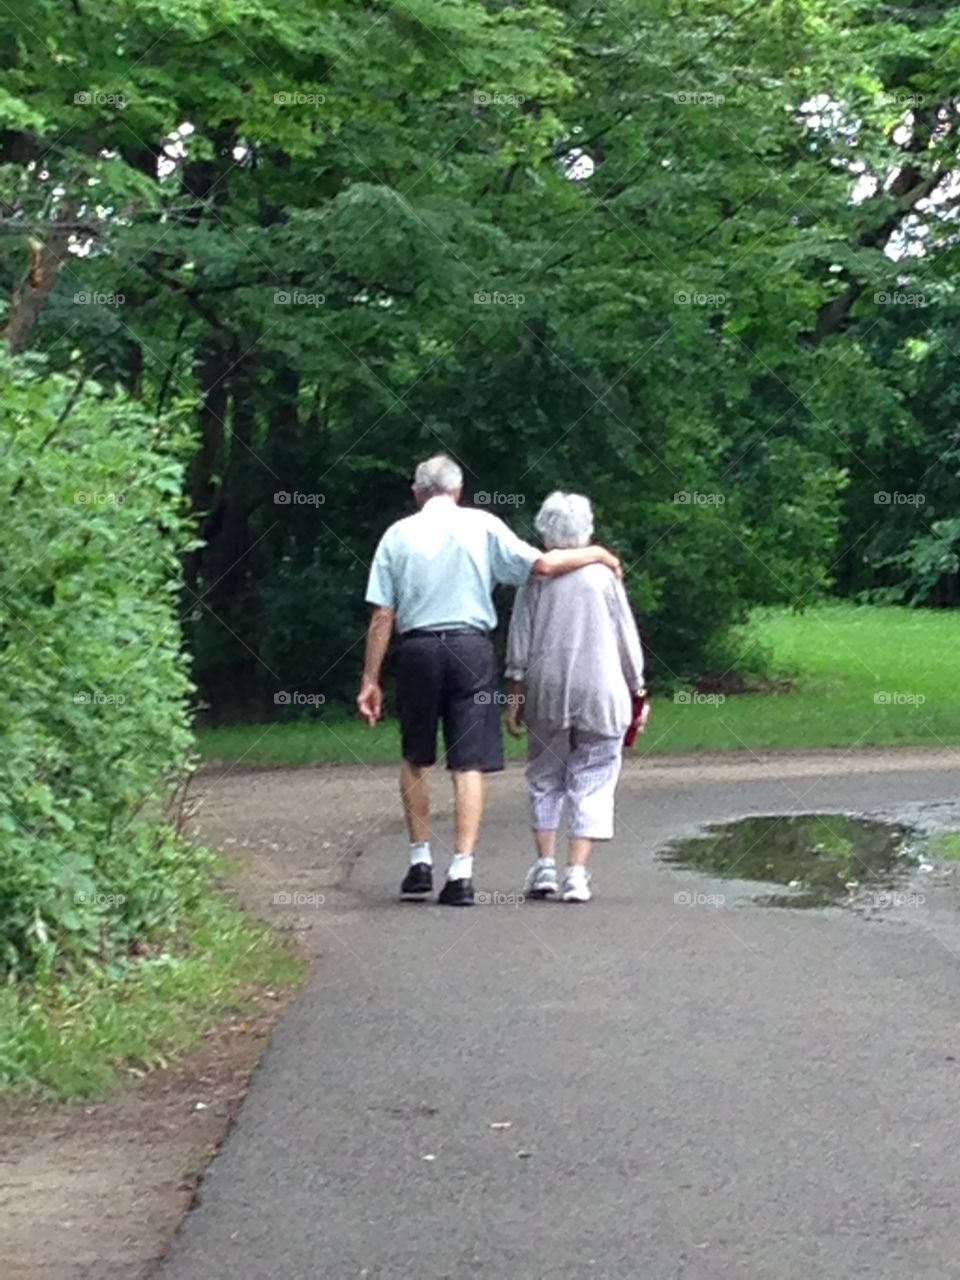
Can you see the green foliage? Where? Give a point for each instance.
(300, 207)
(93, 684)
(69, 1039)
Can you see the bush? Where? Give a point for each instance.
(93, 683)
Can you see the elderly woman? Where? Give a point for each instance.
(576, 670)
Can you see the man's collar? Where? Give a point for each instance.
(438, 497)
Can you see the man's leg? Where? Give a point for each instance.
(418, 698)
(415, 794)
(468, 788)
(473, 737)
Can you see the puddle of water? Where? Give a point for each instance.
(822, 859)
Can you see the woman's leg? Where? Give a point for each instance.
(593, 770)
(580, 849)
(546, 772)
(547, 753)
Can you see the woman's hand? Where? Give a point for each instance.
(514, 714)
(639, 718)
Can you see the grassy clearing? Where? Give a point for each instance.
(863, 676)
(945, 846)
(70, 1040)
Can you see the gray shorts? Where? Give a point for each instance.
(579, 768)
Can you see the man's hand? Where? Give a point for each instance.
(610, 560)
(370, 701)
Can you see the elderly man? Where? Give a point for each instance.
(432, 578)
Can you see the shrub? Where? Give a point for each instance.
(93, 683)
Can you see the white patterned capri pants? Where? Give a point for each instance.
(579, 768)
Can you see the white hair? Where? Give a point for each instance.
(439, 474)
(565, 520)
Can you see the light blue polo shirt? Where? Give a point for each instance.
(437, 569)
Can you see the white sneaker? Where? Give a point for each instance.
(576, 885)
(541, 880)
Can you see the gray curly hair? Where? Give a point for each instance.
(565, 520)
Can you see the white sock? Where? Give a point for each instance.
(546, 862)
(461, 867)
(420, 853)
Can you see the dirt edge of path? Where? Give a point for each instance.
(97, 1190)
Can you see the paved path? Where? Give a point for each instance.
(730, 1093)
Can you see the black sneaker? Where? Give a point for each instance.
(417, 881)
(456, 893)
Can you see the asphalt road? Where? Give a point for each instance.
(699, 1092)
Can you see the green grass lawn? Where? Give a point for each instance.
(863, 676)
